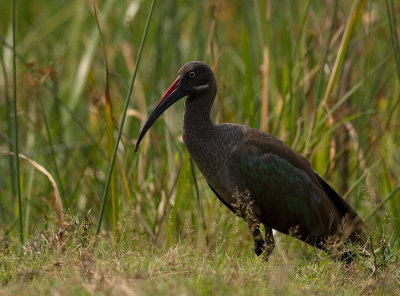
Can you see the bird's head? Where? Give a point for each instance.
(194, 80)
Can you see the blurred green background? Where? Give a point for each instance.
(320, 75)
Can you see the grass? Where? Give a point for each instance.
(322, 77)
(68, 265)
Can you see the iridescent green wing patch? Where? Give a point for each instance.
(273, 177)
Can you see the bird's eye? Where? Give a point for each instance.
(192, 74)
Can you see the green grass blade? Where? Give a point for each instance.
(52, 153)
(325, 58)
(382, 203)
(58, 100)
(109, 122)
(344, 45)
(321, 76)
(124, 116)
(86, 60)
(395, 44)
(16, 152)
(248, 102)
(393, 34)
(9, 128)
(82, 169)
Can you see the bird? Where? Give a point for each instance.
(257, 176)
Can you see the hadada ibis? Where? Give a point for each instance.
(256, 175)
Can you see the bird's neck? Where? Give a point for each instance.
(198, 128)
(197, 115)
(197, 120)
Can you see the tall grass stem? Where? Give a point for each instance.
(9, 127)
(123, 117)
(16, 153)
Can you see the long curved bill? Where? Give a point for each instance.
(173, 94)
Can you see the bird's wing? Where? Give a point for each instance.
(284, 187)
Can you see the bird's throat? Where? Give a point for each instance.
(197, 117)
(197, 125)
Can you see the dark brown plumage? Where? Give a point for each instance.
(256, 175)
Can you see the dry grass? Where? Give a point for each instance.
(72, 264)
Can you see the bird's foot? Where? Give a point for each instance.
(263, 250)
(258, 249)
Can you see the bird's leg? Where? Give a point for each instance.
(254, 226)
(269, 244)
(261, 247)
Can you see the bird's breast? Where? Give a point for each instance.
(211, 150)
